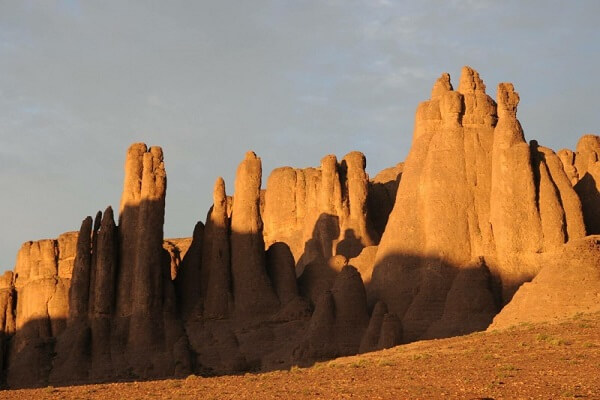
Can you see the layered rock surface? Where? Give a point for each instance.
(321, 263)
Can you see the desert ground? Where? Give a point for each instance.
(528, 361)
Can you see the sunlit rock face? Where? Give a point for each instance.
(322, 212)
(322, 262)
(475, 209)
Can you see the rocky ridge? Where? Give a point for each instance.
(324, 262)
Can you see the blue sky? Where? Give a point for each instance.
(291, 80)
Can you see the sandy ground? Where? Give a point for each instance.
(546, 361)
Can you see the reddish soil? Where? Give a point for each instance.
(545, 361)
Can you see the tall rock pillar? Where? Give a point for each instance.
(252, 290)
(218, 301)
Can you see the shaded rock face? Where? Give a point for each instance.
(41, 284)
(252, 290)
(323, 262)
(216, 282)
(340, 319)
(282, 273)
(327, 215)
(177, 249)
(133, 305)
(101, 304)
(382, 195)
(146, 311)
(7, 314)
(187, 278)
(582, 167)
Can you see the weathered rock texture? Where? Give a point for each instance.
(583, 170)
(42, 291)
(101, 304)
(474, 197)
(323, 212)
(322, 263)
(217, 257)
(252, 290)
(569, 284)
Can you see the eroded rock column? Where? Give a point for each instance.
(252, 290)
(219, 301)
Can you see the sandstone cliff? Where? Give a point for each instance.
(323, 212)
(568, 285)
(583, 169)
(473, 196)
(322, 262)
(41, 285)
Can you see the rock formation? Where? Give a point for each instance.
(7, 314)
(217, 257)
(177, 249)
(583, 170)
(382, 195)
(323, 262)
(340, 319)
(351, 315)
(41, 284)
(73, 305)
(282, 272)
(323, 212)
(187, 278)
(370, 340)
(102, 302)
(473, 195)
(252, 290)
(569, 284)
